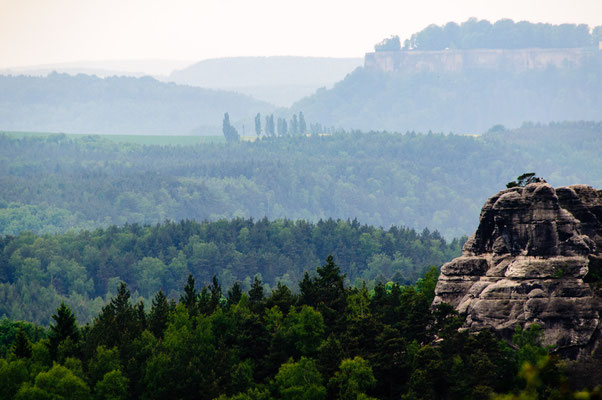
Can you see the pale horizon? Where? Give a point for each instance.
(34, 32)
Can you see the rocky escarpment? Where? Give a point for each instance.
(536, 257)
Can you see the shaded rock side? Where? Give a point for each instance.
(535, 258)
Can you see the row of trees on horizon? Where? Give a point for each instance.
(296, 125)
(503, 34)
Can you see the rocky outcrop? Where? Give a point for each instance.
(536, 257)
(516, 60)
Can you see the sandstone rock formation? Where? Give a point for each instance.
(536, 257)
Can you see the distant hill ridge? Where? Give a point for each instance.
(116, 105)
(280, 80)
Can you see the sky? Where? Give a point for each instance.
(36, 32)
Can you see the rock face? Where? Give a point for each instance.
(536, 257)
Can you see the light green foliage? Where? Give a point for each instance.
(353, 379)
(150, 272)
(304, 329)
(300, 381)
(58, 383)
(113, 386)
(358, 304)
(529, 344)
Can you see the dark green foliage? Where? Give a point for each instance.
(9, 330)
(85, 268)
(236, 352)
(256, 296)
(159, 313)
(22, 346)
(118, 324)
(524, 179)
(63, 331)
(234, 293)
(190, 297)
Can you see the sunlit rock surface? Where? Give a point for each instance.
(536, 257)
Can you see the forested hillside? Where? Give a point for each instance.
(328, 341)
(37, 272)
(468, 101)
(417, 180)
(426, 96)
(116, 105)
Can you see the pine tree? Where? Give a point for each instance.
(157, 320)
(307, 291)
(64, 328)
(256, 296)
(216, 294)
(234, 294)
(190, 296)
(331, 296)
(22, 346)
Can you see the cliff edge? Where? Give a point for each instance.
(536, 257)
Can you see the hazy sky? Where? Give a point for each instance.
(54, 31)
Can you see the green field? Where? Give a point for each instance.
(162, 140)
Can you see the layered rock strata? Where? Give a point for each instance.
(536, 257)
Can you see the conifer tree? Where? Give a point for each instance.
(157, 320)
(234, 293)
(22, 346)
(256, 296)
(190, 296)
(64, 328)
(216, 294)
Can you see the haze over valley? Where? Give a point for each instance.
(300, 200)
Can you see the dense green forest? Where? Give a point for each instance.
(84, 269)
(437, 181)
(328, 341)
(116, 105)
(467, 101)
(503, 34)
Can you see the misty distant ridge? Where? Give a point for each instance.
(104, 68)
(280, 80)
(117, 105)
(461, 78)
